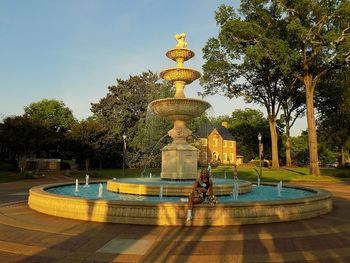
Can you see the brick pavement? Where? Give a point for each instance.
(28, 236)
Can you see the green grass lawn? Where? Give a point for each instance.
(9, 176)
(295, 174)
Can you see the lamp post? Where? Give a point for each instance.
(260, 153)
(124, 150)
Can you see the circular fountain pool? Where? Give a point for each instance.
(262, 205)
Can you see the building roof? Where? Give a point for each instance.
(206, 129)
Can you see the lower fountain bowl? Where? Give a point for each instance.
(174, 213)
(179, 108)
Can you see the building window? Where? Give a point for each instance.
(215, 142)
(225, 157)
(204, 142)
(215, 156)
(231, 144)
(231, 157)
(225, 144)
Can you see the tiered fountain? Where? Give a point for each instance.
(157, 201)
(179, 158)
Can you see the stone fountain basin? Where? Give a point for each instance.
(171, 188)
(180, 53)
(179, 108)
(186, 75)
(170, 213)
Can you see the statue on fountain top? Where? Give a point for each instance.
(180, 38)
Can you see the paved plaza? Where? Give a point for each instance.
(28, 236)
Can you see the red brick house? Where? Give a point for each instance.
(217, 144)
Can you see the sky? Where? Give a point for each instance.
(72, 50)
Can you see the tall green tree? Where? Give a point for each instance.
(293, 106)
(52, 113)
(333, 105)
(304, 39)
(123, 111)
(317, 38)
(245, 59)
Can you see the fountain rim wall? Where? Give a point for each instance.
(139, 188)
(174, 214)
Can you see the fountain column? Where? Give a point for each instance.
(179, 159)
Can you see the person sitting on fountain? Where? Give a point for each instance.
(202, 186)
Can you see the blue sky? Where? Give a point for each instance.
(73, 50)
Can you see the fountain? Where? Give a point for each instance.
(76, 185)
(100, 190)
(162, 200)
(87, 177)
(179, 158)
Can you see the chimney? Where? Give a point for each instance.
(224, 124)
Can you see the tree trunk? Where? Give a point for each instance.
(22, 163)
(274, 142)
(341, 159)
(311, 123)
(288, 156)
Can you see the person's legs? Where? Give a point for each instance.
(192, 200)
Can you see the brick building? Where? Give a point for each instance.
(217, 144)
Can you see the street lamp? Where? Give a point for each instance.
(124, 150)
(260, 153)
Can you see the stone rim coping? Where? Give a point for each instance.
(320, 194)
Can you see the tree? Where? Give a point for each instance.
(124, 111)
(300, 150)
(302, 38)
(293, 105)
(317, 37)
(334, 106)
(52, 113)
(88, 136)
(27, 138)
(245, 125)
(249, 46)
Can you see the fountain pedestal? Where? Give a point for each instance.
(179, 162)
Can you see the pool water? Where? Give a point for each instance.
(261, 193)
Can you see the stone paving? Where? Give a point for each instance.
(28, 236)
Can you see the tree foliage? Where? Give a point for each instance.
(88, 140)
(245, 125)
(27, 138)
(246, 59)
(123, 111)
(52, 113)
(333, 104)
(317, 36)
(301, 39)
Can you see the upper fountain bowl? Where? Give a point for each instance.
(186, 75)
(180, 53)
(179, 108)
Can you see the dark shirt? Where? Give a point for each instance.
(203, 185)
